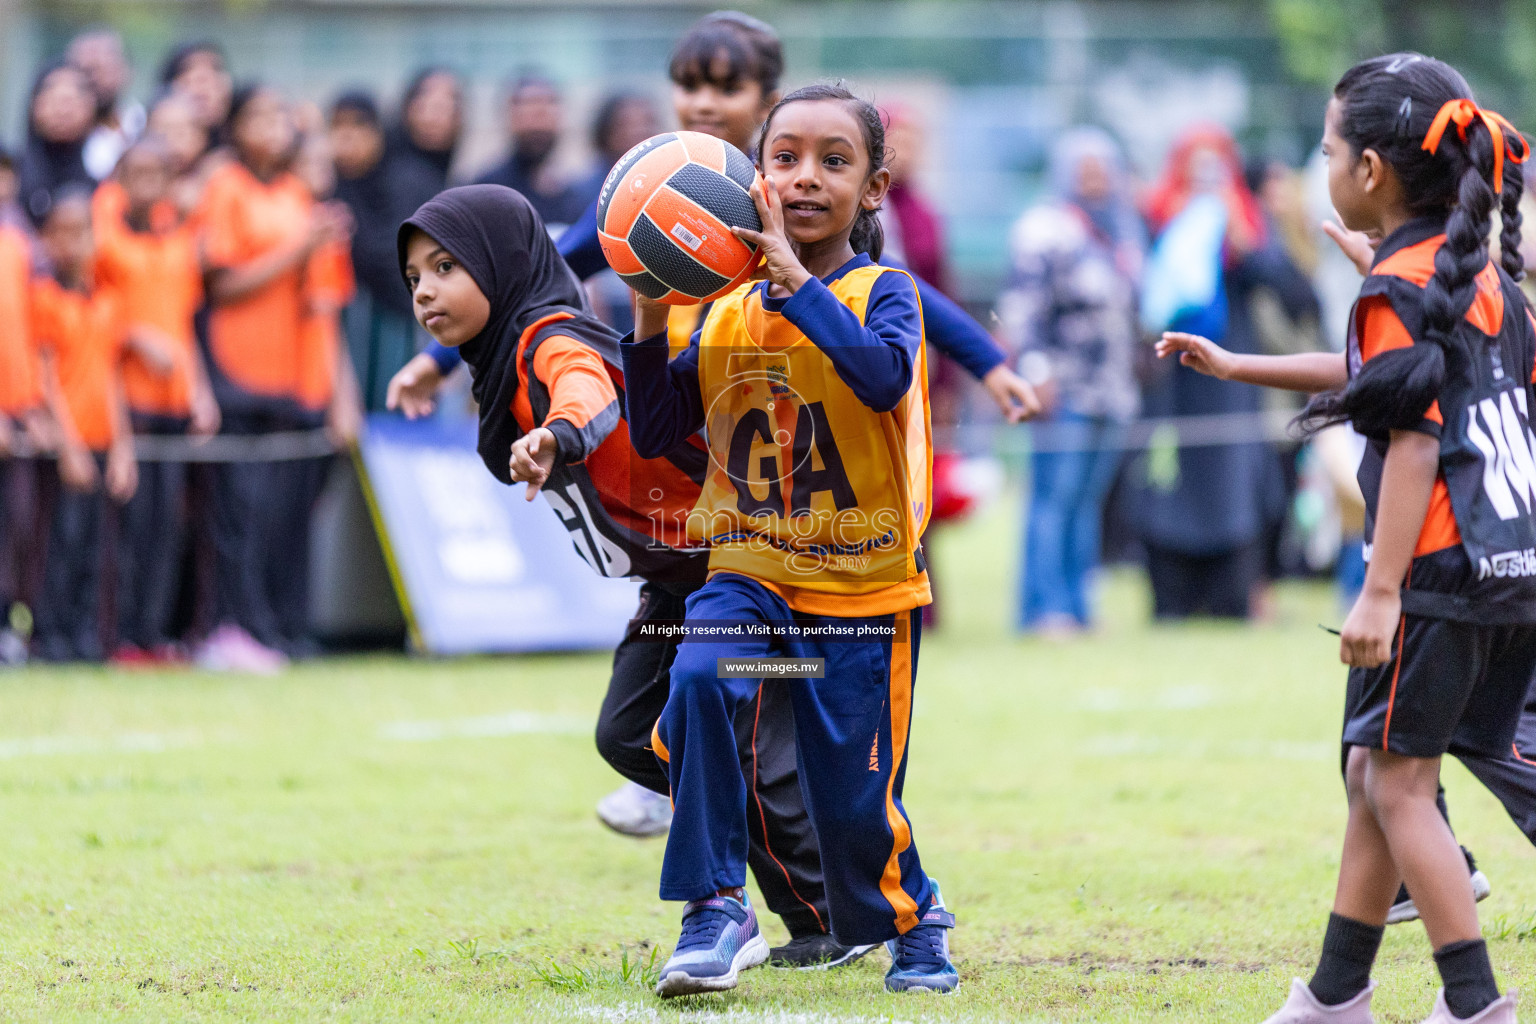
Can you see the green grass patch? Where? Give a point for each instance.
(1143, 824)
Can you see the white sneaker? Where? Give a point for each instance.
(633, 810)
(1500, 1011)
(1303, 1008)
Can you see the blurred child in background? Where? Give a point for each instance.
(21, 402)
(147, 255)
(78, 330)
(260, 230)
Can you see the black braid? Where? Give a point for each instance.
(1393, 390)
(1510, 256)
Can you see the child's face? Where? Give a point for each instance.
(264, 134)
(1348, 178)
(816, 155)
(66, 237)
(175, 120)
(145, 177)
(357, 143)
(434, 113)
(446, 299)
(206, 82)
(727, 108)
(65, 107)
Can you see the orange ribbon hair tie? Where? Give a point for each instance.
(1462, 113)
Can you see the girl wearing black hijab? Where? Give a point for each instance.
(61, 111)
(486, 279)
(431, 122)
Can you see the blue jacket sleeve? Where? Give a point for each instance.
(956, 334)
(874, 358)
(447, 359)
(664, 404)
(580, 247)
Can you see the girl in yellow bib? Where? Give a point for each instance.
(812, 391)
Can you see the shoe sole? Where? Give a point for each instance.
(1408, 911)
(854, 953)
(681, 983)
(921, 988)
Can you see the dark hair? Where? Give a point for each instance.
(530, 78)
(751, 49)
(420, 79)
(867, 236)
(1387, 104)
(608, 113)
(40, 82)
(360, 104)
(176, 61)
(41, 212)
(242, 97)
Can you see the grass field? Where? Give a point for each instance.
(1140, 826)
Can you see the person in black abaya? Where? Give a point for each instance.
(61, 111)
(381, 189)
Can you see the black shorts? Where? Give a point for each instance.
(1450, 687)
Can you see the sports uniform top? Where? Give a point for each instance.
(160, 281)
(257, 342)
(544, 360)
(20, 387)
(815, 407)
(1475, 559)
(84, 334)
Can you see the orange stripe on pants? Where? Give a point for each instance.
(901, 713)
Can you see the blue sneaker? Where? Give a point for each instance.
(719, 940)
(920, 958)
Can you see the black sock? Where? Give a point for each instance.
(1349, 950)
(1467, 975)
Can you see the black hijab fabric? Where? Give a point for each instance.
(498, 238)
(46, 167)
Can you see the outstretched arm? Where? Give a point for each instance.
(1305, 371)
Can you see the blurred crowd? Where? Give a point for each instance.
(217, 261)
(221, 261)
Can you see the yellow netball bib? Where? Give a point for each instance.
(810, 491)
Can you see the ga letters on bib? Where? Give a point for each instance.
(1476, 556)
(810, 490)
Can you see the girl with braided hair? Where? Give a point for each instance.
(1438, 376)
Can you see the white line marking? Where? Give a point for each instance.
(127, 743)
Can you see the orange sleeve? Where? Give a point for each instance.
(1380, 331)
(44, 311)
(223, 223)
(1532, 320)
(329, 277)
(577, 379)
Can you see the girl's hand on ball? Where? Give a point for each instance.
(780, 263)
(650, 317)
(533, 457)
(1199, 354)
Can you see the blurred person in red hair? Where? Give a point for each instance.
(1204, 509)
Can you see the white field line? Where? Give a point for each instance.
(126, 743)
(513, 723)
